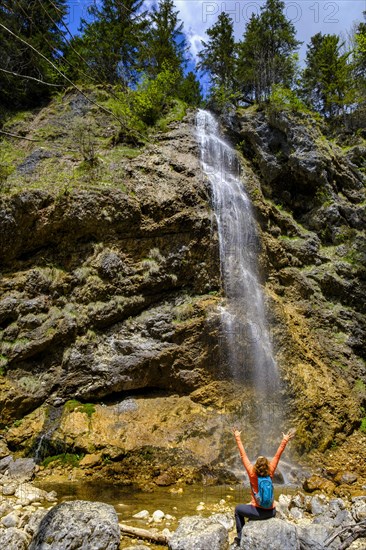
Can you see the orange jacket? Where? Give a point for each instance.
(250, 468)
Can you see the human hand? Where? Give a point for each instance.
(290, 434)
(235, 431)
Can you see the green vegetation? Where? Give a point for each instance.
(74, 405)
(360, 387)
(65, 459)
(326, 78)
(363, 425)
(37, 24)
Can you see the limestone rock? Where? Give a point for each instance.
(318, 483)
(4, 463)
(4, 451)
(10, 520)
(81, 524)
(197, 533)
(90, 460)
(14, 539)
(358, 509)
(271, 534)
(29, 493)
(313, 537)
(22, 469)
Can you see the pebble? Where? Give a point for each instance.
(158, 515)
(141, 515)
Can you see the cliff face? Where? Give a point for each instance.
(310, 204)
(110, 297)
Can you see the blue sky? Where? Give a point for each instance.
(308, 16)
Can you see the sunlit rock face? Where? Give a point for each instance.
(111, 297)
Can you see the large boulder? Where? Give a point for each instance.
(22, 469)
(79, 525)
(197, 533)
(271, 534)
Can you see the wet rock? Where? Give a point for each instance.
(197, 532)
(82, 524)
(271, 534)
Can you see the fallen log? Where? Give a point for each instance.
(144, 534)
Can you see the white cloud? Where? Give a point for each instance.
(308, 16)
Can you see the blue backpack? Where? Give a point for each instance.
(264, 498)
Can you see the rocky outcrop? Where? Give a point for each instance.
(109, 281)
(110, 291)
(310, 204)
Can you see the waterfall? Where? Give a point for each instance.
(43, 445)
(246, 338)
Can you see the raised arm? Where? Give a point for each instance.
(275, 460)
(243, 455)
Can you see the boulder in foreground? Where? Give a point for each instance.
(80, 525)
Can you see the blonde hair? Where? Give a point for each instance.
(261, 466)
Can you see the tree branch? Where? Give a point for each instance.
(143, 534)
(32, 78)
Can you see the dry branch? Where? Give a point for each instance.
(144, 534)
(17, 136)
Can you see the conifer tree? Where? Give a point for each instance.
(325, 83)
(165, 43)
(267, 52)
(190, 90)
(110, 41)
(39, 24)
(217, 57)
(359, 59)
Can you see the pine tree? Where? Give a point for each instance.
(111, 40)
(267, 52)
(190, 90)
(165, 44)
(325, 83)
(217, 58)
(359, 59)
(39, 24)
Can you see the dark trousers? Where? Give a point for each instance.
(243, 511)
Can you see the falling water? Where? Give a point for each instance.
(246, 336)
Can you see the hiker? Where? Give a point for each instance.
(262, 505)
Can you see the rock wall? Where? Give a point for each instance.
(310, 203)
(109, 316)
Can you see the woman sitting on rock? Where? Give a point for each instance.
(260, 489)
